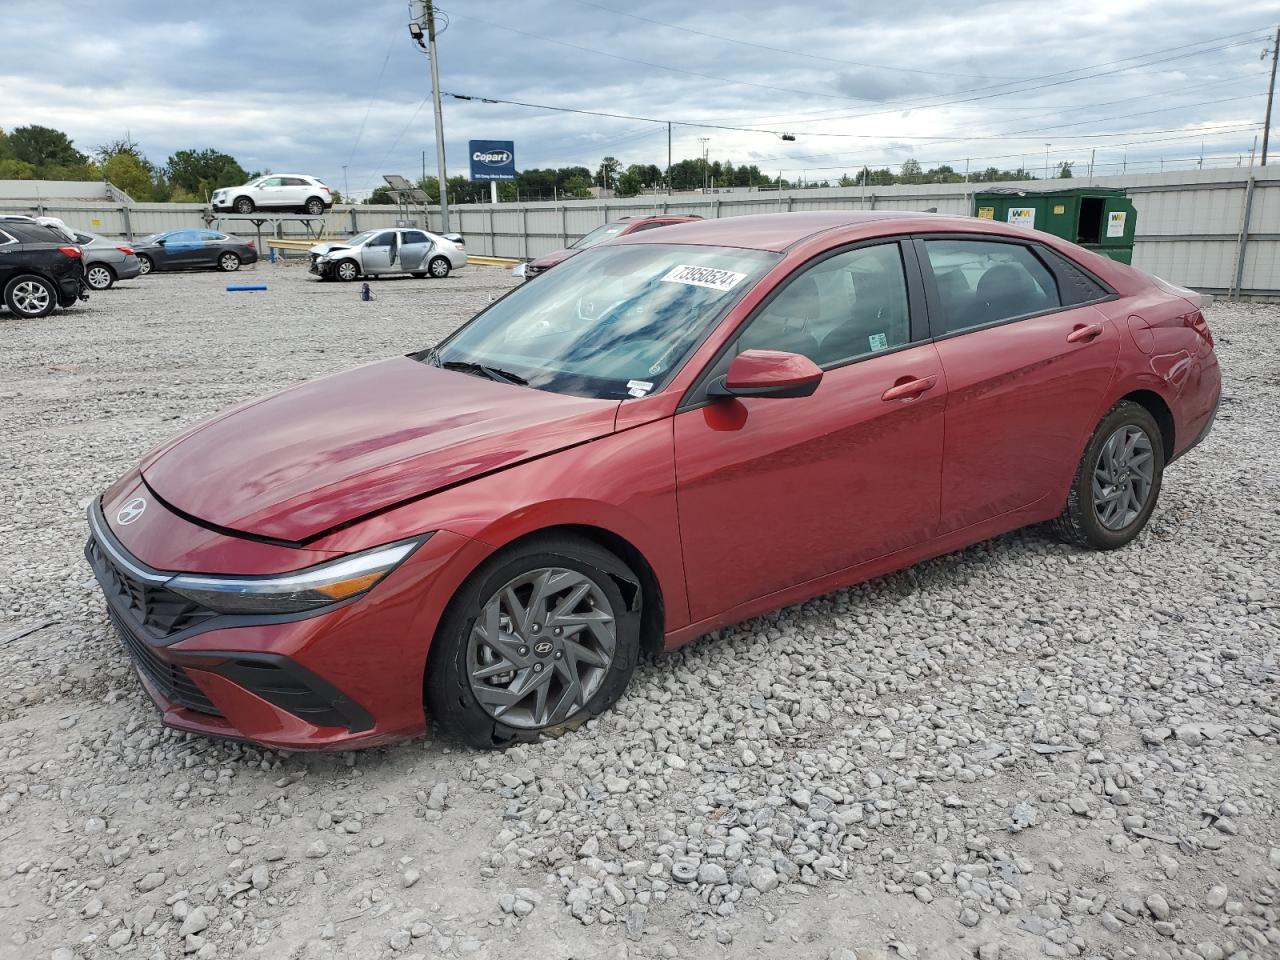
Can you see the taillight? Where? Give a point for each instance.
(127, 251)
(69, 251)
(251, 246)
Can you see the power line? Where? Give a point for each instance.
(794, 53)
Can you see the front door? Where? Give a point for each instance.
(184, 248)
(381, 253)
(776, 492)
(1027, 361)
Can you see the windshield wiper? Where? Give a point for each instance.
(493, 373)
(431, 355)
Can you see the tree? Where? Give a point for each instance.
(381, 195)
(607, 173)
(200, 172)
(631, 182)
(11, 169)
(578, 188)
(131, 175)
(44, 146)
(1064, 170)
(911, 172)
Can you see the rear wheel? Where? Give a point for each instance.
(438, 267)
(537, 641)
(1118, 481)
(30, 296)
(314, 206)
(243, 205)
(99, 276)
(228, 262)
(346, 270)
(145, 265)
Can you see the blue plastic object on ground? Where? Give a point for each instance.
(236, 287)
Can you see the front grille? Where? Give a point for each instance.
(159, 610)
(173, 682)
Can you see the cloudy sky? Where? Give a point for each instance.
(318, 85)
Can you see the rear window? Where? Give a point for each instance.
(33, 232)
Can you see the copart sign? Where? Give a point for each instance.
(493, 159)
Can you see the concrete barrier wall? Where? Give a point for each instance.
(1190, 223)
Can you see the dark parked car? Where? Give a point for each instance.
(39, 269)
(194, 250)
(670, 433)
(622, 227)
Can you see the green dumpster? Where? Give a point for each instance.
(1101, 219)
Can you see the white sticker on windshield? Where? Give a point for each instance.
(638, 388)
(711, 277)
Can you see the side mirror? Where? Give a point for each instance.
(768, 373)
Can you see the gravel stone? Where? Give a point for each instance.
(1021, 736)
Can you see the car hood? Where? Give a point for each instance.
(320, 249)
(549, 260)
(295, 464)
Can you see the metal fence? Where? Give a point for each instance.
(1214, 230)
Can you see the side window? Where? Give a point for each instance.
(294, 182)
(269, 182)
(414, 236)
(848, 306)
(1076, 285)
(208, 235)
(383, 239)
(982, 282)
(184, 236)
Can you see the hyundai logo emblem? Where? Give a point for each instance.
(131, 511)
(542, 647)
(494, 158)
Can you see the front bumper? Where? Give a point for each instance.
(348, 677)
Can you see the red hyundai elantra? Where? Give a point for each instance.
(666, 434)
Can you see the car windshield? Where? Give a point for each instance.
(359, 238)
(616, 322)
(599, 235)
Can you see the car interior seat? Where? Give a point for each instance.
(784, 325)
(1004, 291)
(877, 320)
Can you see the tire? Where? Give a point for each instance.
(481, 710)
(243, 205)
(145, 265)
(314, 207)
(346, 270)
(30, 296)
(99, 276)
(1118, 481)
(228, 262)
(439, 267)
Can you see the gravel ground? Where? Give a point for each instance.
(1019, 750)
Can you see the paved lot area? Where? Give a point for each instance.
(1019, 750)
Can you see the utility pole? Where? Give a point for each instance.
(1271, 93)
(668, 158)
(428, 14)
(346, 190)
(705, 172)
(1046, 160)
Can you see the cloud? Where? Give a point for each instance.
(341, 84)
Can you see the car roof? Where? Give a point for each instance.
(778, 232)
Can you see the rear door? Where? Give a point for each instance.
(414, 248)
(184, 248)
(295, 192)
(776, 492)
(1027, 360)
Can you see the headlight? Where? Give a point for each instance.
(299, 590)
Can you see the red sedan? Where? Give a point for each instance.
(622, 227)
(666, 434)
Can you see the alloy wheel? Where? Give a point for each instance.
(230, 262)
(31, 297)
(144, 265)
(1122, 477)
(439, 267)
(347, 270)
(541, 648)
(98, 277)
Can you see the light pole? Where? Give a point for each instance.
(346, 190)
(1046, 160)
(428, 15)
(704, 141)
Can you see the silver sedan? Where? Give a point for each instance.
(106, 260)
(377, 253)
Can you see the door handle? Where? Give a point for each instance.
(1082, 333)
(909, 389)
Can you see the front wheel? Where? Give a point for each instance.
(1118, 480)
(315, 207)
(346, 270)
(439, 267)
(31, 297)
(540, 639)
(145, 265)
(99, 277)
(228, 262)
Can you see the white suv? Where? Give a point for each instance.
(276, 191)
